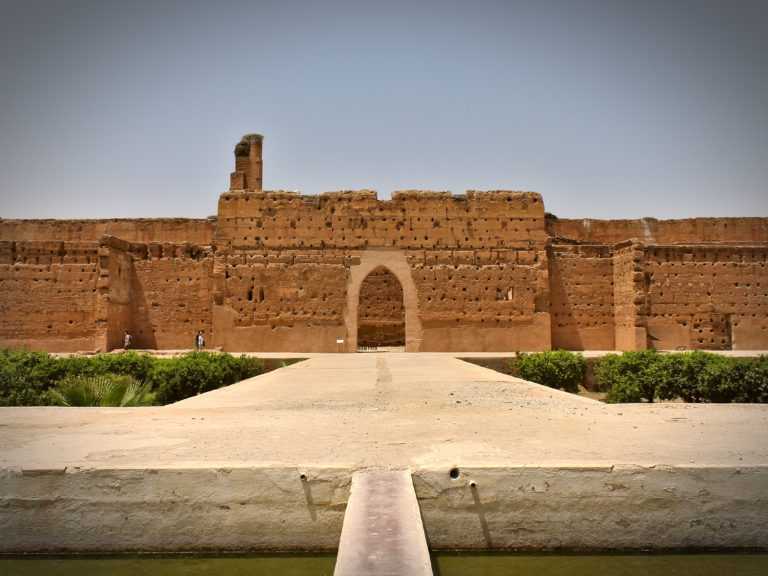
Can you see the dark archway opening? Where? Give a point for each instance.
(381, 312)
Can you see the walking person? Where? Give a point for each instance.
(127, 340)
(199, 340)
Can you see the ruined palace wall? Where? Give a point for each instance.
(710, 297)
(653, 231)
(357, 220)
(493, 300)
(629, 297)
(286, 300)
(478, 261)
(171, 295)
(113, 304)
(179, 230)
(48, 294)
(581, 297)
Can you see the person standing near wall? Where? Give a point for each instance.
(199, 340)
(127, 340)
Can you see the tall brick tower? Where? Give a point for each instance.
(248, 167)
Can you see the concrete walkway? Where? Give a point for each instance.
(382, 533)
(223, 470)
(384, 410)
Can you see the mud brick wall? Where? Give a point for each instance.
(179, 230)
(280, 300)
(629, 297)
(113, 303)
(381, 312)
(710, 297)
(478, 262)
(484, 270)
(48, 293)
(171, 295)
(498, 288)
(358, 220)
(497, 299)
(653, 231)
(581, 297)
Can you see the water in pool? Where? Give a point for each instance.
(444, 564)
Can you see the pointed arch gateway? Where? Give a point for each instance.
(388, 270)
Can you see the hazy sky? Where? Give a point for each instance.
(609, 108)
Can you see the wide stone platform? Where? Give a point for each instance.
(266, 464)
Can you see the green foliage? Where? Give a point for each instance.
(690, 376)
(556, 369)
(25, 377)
(101, 390)
(751, 376)
(198, 372)
(29, 378)
(628, 377)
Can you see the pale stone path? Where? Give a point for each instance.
(382, 534)
(390, 410)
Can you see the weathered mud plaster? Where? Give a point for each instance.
(278, 271)
(265, 509)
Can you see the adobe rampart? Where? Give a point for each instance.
(481, 271)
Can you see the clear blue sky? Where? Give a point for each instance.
(609, 108)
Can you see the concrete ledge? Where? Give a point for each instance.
(595, 508)
(268, 509)
(170, 510)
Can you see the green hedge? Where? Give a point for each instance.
(628, 377)
(27, 378)
(690, 376)
(556, 369)
(648, 376)
(177, 378)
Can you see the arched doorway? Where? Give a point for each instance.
(395, 262)
(381, 311)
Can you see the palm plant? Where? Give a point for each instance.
(102, 390)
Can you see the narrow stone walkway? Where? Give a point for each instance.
(383, 534)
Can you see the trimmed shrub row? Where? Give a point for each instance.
(689, 376)
(649, 376)
(28, 378)
(556, 369)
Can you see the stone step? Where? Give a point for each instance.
(383, 534)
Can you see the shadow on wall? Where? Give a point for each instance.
(141, 323)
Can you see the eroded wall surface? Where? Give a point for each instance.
(481, 271)
(478, 262)
(653, 231)
(48, 295)
(171, 295)
(708, 297)
(582, 297)
(179, 230)
(282, 300)
(275, 274)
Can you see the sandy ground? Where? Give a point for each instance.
(384, 410)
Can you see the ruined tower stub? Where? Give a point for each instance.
(248, 166)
